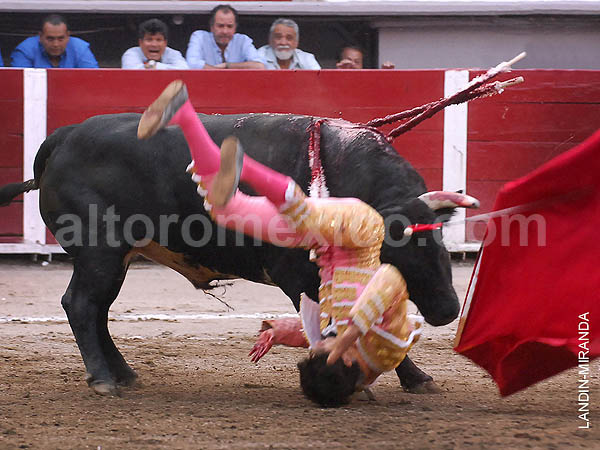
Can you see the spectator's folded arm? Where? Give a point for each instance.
(193, 55)
(19, 58)
(175, 61)
(130, 60)
(87, 59)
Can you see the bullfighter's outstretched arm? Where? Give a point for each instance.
(286, 332)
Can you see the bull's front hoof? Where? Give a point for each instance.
(128, 382)
(101, 387)
(127, 379)
(427, 387)
(106, 389)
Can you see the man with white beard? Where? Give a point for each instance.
(282, 51)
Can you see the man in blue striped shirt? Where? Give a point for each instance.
(53, 48)
(222, 47)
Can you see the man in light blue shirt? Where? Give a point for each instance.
(153, 52)
(222, 47)
(53, 48)
(282, 51)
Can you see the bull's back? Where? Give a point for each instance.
(279, 141)
(101, 166)
(102, 161)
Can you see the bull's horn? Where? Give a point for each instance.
(444, 199)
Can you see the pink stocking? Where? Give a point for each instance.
(256, 217)
(266, 181)
(206, 156)
(205, 153)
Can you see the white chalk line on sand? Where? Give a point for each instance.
(148, 317)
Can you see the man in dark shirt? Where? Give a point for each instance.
(53, 47)
(351, 57)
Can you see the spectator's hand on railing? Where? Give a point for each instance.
(388, 65)
(345, 64)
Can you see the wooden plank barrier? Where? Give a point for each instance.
(11, 151)
(506, 136)
(511, 134)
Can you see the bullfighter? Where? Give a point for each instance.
(364, 300)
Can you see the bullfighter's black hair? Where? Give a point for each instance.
(328, 385)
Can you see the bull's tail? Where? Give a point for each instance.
(10, 191)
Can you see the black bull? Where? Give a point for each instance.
(95, 177)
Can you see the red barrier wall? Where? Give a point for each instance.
(11, 150)
(357, 96)
(529, 124)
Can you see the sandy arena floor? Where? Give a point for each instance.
(199, 390)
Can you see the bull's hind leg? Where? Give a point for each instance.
(414, 380)
(96, 281)
(120, 370)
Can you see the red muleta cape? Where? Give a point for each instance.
(533, 306)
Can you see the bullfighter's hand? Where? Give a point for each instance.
(342, 344)
(263, 345)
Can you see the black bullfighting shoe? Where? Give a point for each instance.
(227, 178)
(162, 110)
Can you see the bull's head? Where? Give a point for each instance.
(422, 257)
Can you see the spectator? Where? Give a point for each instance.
(282, 51)
(1, 62)
(53, 48)
(152, 52)
(222, 47)
(351, 57)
